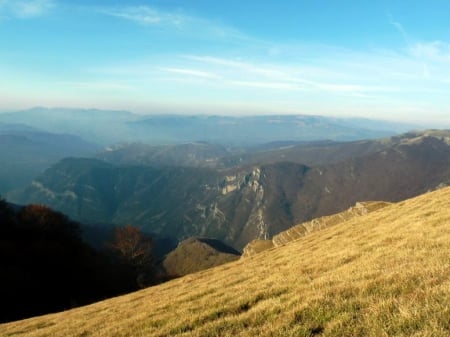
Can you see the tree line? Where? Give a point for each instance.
(45, 266)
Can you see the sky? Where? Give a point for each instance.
(375, 59)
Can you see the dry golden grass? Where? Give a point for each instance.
(383, 274)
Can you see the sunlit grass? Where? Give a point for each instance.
(383, 274)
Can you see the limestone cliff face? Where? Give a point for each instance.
(242, 180)
(300, 230)
(245, 194)
(258, 201)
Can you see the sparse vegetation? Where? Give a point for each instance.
(383, 274)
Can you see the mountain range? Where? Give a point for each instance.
(32, 140)
(109, 127)
(252, 199)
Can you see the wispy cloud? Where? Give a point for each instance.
(434, 57)
(271, 85)
(176, 21)
(263, 70)
(298, 77)
(427, 53)
(190, 72)
(399, 27)
(312, 77)
(146, 15)
(25, 9)
(436, 51)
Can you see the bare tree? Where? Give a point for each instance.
(133, 246)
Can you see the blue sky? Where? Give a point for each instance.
(375, 59)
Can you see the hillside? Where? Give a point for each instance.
(384, 273)
(189, 154)
(305, 228)
(26, 153)
(243, 203)
(195, 254)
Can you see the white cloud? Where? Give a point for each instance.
(378, 76)
(435, 51)
(145, 15)
(399, 27)
(25, 9)
(319, 78)
(267, 85)
(190, 72)
(260, 69)
(340, 78)
(175, 21)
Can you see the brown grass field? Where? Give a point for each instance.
(382, 274)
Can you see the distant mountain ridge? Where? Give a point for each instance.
(98, 126)
(244, 202)
(256, 129)
(107, 127)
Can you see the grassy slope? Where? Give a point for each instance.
(195, 254)
(383, 274)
